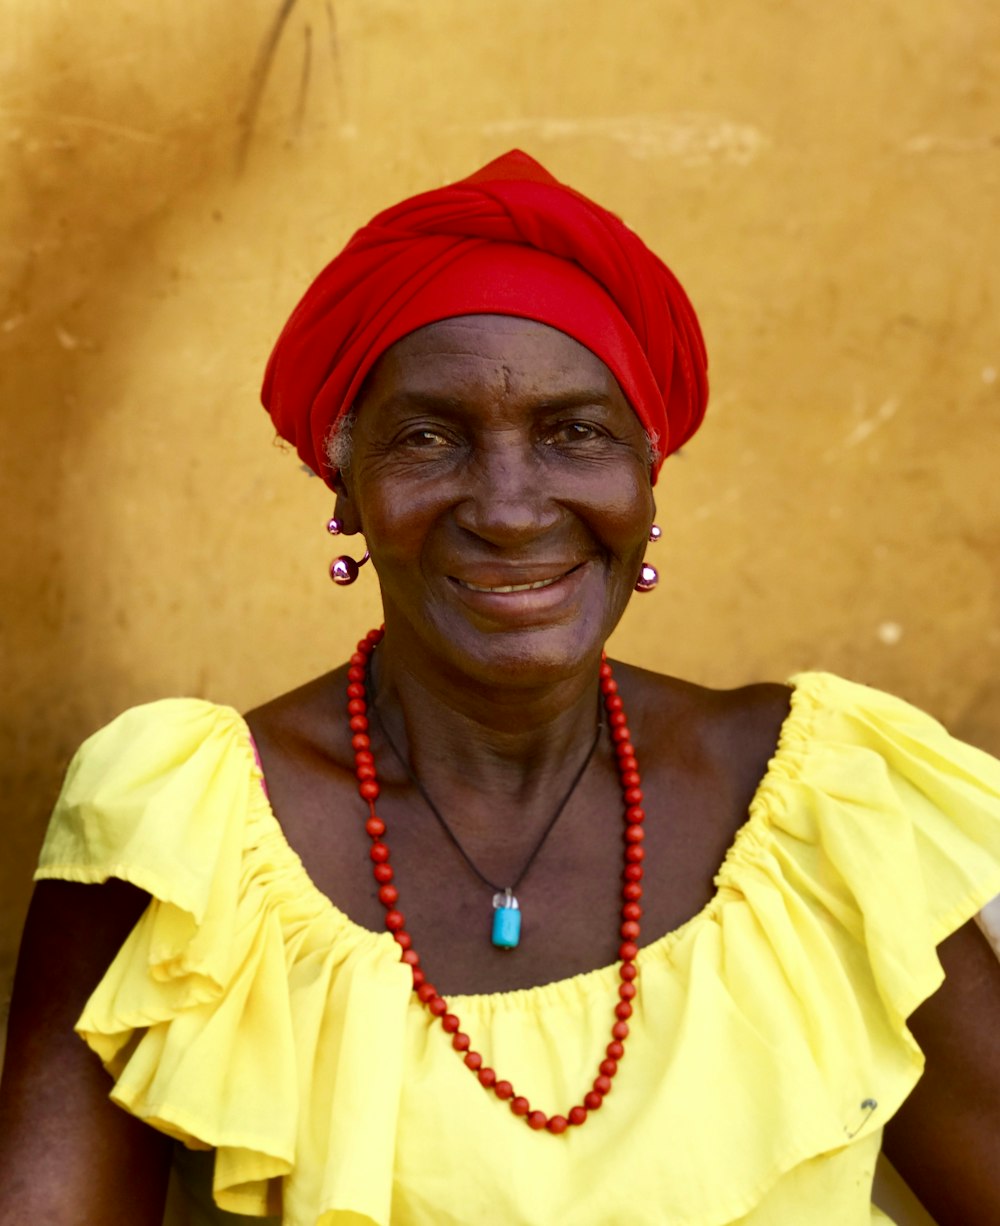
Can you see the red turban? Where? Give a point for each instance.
(508, 240)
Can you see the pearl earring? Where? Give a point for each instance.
(343, 569)
(649, 576)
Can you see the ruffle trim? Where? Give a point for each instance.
(778, 1011)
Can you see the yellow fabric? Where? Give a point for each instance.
(247, 1013)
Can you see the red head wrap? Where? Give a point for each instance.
(508, 240)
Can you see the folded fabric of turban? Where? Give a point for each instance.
(512, 240)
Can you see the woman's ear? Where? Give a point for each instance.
(344, 508)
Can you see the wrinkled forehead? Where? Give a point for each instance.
(489, 356)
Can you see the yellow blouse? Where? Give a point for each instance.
(246, 1013)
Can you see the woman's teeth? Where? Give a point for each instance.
(512, 587)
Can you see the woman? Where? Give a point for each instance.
(489, 378)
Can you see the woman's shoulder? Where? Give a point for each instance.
(732, 733)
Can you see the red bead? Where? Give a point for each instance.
(437, 1007)
(592, 1100)
(383, 872)
(631, 911)
(557, 1124)
(376, 636)
(503, 1089)
(635, 815)
(364, 758)
(379, 852)
(609, 1067)
(602, 1085)
(364, 772)
(537, 1120)
(426, 992)
(633, 796)
(394, 920)
(358, 723)
(368, 789)
(473, 1060)
(632, 891)
(619, 1031)
(628, 971)
(622, 735)
(358, 661)
(608, 684)
(634, 834)
(450, 1022)
(627, 951)
(633, 872)
(487, 1077)
(615, 1050)
(461, 1042)
(354, 690)
(375, 826)
(627, 762)
(617, 719)
(418, 977)
(629, 930)
(634, 853)
(624, 749)
(387, 894)
(629, 776)
(613, 702)
(409, 956)
(578, 1116)
(356, 674)
(623, 1010)
(627, 991)
(401, 937)
(357, 706)
(360, 741)
(520, 1106)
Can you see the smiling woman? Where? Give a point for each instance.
(712, 985)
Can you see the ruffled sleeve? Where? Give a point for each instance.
(195, 1018)
(897, 824)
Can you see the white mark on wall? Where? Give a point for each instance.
(865, 428)
(937, 142)
(889, 633)
(86, 122)
(691, 137)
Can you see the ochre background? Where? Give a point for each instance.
(823, 178)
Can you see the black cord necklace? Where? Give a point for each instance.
(506, 909)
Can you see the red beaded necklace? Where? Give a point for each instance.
(628, 773)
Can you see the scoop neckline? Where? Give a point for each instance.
(782, 763)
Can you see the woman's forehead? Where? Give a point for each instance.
(492, 354)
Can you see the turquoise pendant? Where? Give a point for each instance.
(506, 920)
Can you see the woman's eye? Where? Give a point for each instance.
(424, 438)
(574, 432)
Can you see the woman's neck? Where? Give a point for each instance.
(511, 745)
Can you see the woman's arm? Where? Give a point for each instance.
(945, 1140)
(67, 1154)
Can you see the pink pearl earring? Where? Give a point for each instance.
(343, 569)
(649, 576)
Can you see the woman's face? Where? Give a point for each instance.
(502, 484)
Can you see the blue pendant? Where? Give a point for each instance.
(506, 920)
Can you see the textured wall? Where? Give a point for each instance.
(823, 178)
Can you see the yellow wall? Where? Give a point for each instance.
(823, 177)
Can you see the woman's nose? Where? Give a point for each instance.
(508, 499)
